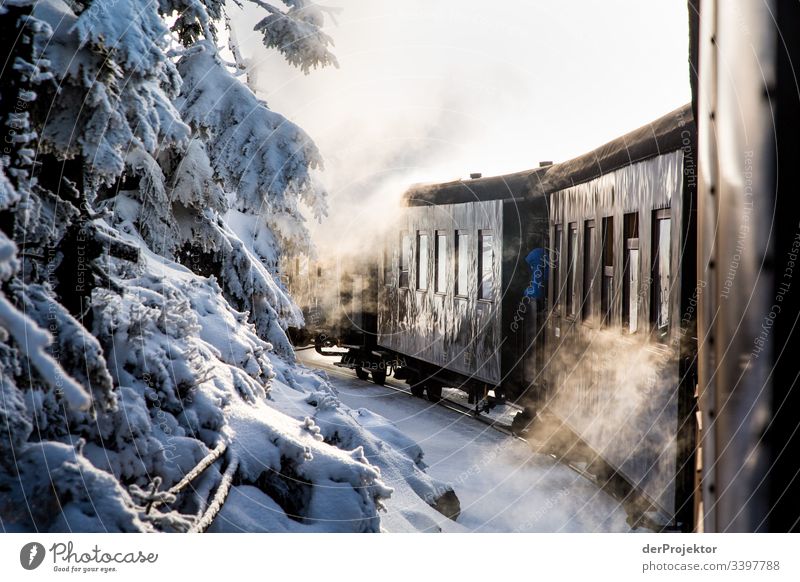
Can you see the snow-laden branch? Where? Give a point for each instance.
(297, 34)
(34, 341)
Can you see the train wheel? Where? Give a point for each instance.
(362, 374)
(379, 377)
(434, 393)
(417, 390)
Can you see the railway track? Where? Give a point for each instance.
(636, 519)
(444, 402)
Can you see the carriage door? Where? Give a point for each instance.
(531, 340)
(487, 354)
(630, 287)
(440, 298)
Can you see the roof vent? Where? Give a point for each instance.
(475, 175)
(545, 164)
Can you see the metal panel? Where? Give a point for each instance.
(461, 334)
(736, 205)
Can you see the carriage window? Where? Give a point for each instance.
(588, 267)
(607, 286)
(556, 262)
(659, 307)
(387, 264)
(462, 263)
(630, 273)
(485, 265)
(441, 262)
(572, 257)
(405, 259)
(422, 261)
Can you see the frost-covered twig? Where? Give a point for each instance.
(198, 469)
(219, 497)
(116, 247)
(233, 46)
(151, 496)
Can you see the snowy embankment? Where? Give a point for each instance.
(191, 373)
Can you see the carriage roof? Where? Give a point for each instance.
(665, 134)
(502, 187)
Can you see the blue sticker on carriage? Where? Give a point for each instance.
(537, 261)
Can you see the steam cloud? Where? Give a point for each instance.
(432, 91)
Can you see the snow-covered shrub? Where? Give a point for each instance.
(57, 489)
(194, 370)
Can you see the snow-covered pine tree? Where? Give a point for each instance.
(31, 376)
(134, 367)
(262, 161)
(227, 204)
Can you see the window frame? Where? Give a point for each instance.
(631, 243)
(571, 279)
(607, 276)
(558, 236)
(422, 261)
(404, 266)
(460, 251)
(487, 232)
(589, 270)
(439, 270)
(660, 216)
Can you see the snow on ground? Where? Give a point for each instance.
(503, 486)
(299, 393)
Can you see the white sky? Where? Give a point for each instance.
(431, 90)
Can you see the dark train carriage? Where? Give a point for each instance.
(455, 276)
(621, 326)
(337, 301)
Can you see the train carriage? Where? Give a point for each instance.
(455, 272)
(612, 356)
(621, 328)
